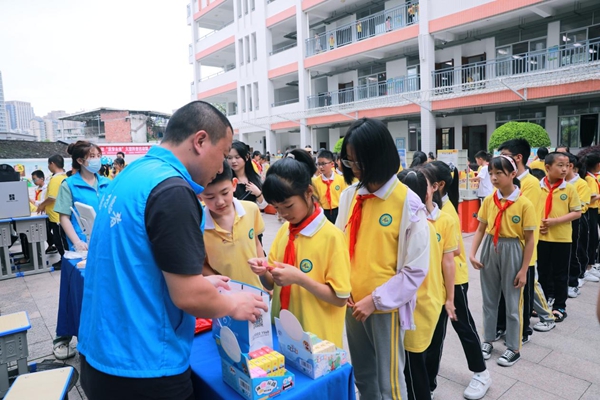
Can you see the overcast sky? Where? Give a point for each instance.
(79, 54)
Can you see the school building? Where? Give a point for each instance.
(442, 74)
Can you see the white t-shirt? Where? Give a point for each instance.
(485, 184)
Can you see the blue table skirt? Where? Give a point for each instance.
(208, 380)
(70, 299)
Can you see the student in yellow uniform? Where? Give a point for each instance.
(231, 230)
(329, 185)
(580, 229)
(388, 238)
(590, 165)
(507, 221)
(437, 289)
(308, 261)
(561, 206)
(539, 163)
(446, 183)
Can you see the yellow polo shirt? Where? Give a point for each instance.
(519, 217)
(593, 185)
(52, 193)
(530, 188)
(462, 269)
(538, 164)
(376, 249)
(431, 295)
(337, 187)
(322, 254)
(564, 200)
(583, 191)
(228, 252)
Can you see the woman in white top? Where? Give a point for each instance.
(483, 176)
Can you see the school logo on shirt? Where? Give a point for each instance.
(306, 266)
(439, 237)
(251, 233)
(563, 196)
(385, 220)
(337, 187)
(516, 219)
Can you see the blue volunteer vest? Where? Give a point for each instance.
(129, 325)
(82, 192)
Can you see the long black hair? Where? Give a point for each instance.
(503, 164)
(419, 158)
(291, 176)
(443, 173)
(243, 151)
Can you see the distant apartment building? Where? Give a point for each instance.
(37, 127)
(20, 113)
(441, 74)
(3, 116)
(57, 129)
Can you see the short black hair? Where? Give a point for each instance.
(226, 175)
(326, 154)
(57, 160)
(38, 173)
(538, 173)
(572, 158)
(551, 157)
(256, 153)
(119, 161)
(288, 177)
(566, 147)
(542, 152)
(516, 147)
(193, 117)
(502, 164)
(121, 153)
(375, 152)
(484, 155)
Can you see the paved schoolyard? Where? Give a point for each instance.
(561, 364)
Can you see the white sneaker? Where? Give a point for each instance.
(544, 326)
(574, 292)
(594, 271)
(581, 283)
(479, 385)
(588, 276)
(62, 351)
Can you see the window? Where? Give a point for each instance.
(243, 97)
(254, 49)
(245, 6)
(256, 95)
(247, 48)
(569, 131)
(533, 115)
(241, 50)
(249, 89)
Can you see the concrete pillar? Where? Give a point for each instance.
(244, 137)
(334, 136)
(490, 121)
(271, 141)
(553, 38)
(305, 135)
(552, 125)
(458, 133)
(427, 64)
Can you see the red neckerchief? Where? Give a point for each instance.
(549, 198)
(498, 221)
(328, 192)
(289, 257)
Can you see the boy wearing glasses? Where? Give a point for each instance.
(328, 185)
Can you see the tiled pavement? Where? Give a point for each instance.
(561, 364)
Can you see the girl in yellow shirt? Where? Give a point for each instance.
(308, 265)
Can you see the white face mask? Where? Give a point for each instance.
(94, 165)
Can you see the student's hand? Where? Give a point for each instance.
(40, 209)
(258, 265)
(350, 302)
(81, 246)
(450, 310)
(247, 306)
(475, 263)
(363, 309)
(252, 188)
(548, 222)
(218, 281)
(285, 274)
(520, 279)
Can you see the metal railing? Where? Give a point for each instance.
(390, 87)
(280, 49)
(214, 31)
(477, 75)
(284, 102)
(364, 28)
(227, 68)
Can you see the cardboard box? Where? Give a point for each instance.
(298, 348)
(237, 366)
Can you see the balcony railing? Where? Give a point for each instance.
(214, 31)
(226, 69)
(390, 87)
(284, 102)
(283, 48)
(373, 25)
(476, 75)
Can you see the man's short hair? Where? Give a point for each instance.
(193, 117)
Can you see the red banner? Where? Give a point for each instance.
(108, 150)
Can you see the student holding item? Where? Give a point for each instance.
(308, 266)
(389, 242)
(231, 230)
(329, 185)
(249, 185)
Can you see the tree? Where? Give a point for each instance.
(338, 146)
(533, 133)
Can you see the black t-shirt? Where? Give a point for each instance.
(173, 216)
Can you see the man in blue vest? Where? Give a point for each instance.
(143, 283)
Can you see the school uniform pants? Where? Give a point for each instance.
(466, 331)
(60, 239)
(593, 241)
(553, 270)
(501, 264)
(540, 305)
(415, 373)
(377, 350)
(528, 300)
(579, 250)
(331, 215)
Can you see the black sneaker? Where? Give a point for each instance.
(499, 334)
(51, 250)
(486, 350)
(57, 265)
(509, 358)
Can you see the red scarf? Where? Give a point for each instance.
(355, 219)
(549, 198)
(501, 209)
(258, 166)
(328, 192)
(289, 257)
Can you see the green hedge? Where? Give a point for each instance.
(338, 146)
(533, 133)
